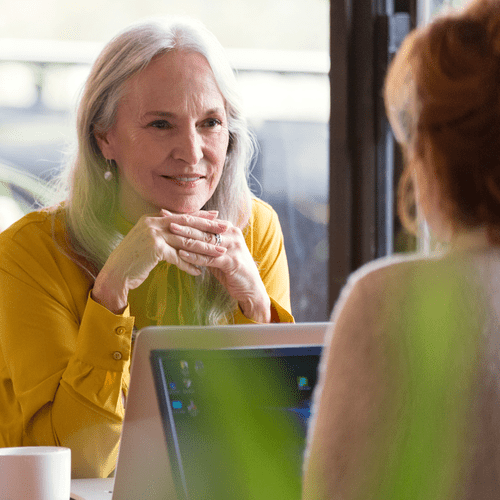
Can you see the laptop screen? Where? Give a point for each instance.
(235, 420)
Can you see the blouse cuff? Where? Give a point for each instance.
(278, 315)
(104, 339)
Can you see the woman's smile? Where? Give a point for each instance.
(185, 181)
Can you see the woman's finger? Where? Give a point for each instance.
(206, 225)
(188, 267)
(196, 234)
(198, 247)
(197, 259)
(202, 224)
(205, 214)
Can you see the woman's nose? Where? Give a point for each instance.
(188, 147)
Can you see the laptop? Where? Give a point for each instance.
(216, 412)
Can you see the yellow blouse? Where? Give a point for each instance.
(64, 359)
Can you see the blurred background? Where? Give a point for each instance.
(279, 49)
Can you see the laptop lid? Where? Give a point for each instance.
(144, 468)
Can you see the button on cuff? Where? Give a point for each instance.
(117, 355)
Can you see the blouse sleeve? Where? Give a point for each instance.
(62, 376)
(265, 241)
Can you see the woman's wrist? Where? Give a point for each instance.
(258, 311)
(111, 296)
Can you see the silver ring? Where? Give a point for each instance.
(218, 239)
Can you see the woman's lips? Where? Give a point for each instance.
(184, 180)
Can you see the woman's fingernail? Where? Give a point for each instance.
(221, 249)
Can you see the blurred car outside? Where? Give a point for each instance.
(286, 98)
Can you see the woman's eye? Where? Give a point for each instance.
(161, 124)
(213, 122)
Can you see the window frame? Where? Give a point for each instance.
(364, 163)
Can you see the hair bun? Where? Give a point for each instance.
(454, 64)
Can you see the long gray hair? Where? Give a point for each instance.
(92, 200)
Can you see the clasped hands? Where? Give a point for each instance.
(187, 241)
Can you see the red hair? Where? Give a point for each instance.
(442, 97)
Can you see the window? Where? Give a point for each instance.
(429, 8)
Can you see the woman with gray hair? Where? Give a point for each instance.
(158, 227)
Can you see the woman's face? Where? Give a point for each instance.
(170, 137)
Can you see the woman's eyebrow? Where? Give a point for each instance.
(169, 114)
(215, 111)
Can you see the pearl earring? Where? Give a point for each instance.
(108, 174)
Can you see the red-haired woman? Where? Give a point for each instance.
(408, 403)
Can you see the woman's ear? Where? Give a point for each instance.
(105, 144)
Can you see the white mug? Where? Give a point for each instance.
(35, 473)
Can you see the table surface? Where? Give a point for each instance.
(92, 489)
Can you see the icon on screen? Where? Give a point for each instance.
(185, 367)
(187, 383)
(192, 409)
(172, 386)
(303, 384)
(177, 405)
(199, 367)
